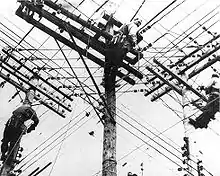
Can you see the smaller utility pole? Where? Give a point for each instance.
(186, 146)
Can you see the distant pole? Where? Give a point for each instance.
(198, 168)
(109, 137)
(142, 169)
(186, 138)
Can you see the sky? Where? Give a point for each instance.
(79, 153)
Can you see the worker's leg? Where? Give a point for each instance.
(5, 142)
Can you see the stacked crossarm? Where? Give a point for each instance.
(87, 38)
(171, 78)
(14, 71)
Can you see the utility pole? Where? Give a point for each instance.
(109, 164)
(110, 68)
(109, 136)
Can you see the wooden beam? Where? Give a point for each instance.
(180, 80)
(69, 43)
(17, 85)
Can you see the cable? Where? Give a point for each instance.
(154, 148)
(55, 145)
(139, 8)
(58, 152)
(54, 134)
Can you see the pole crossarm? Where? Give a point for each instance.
(88, 24)
(197, 50)
(97, 45)
(154, 89)
(200, 59)
(192, 74)
(162, 93)
(42, 79)
(20, 87)
(24, 79)
(180, 80)
(200, 69)
(174, 87)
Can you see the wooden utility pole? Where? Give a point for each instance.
(110, 68)
(109, 137)
(109, 164)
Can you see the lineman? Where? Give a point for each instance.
(15, 127)
(127, 36)
(125, 40)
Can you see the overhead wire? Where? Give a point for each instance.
(139, 8)
(54, 140)
(177, 24)
(162, 55)
(43, 155)
(73, 83)
(59, 150)
(153, 148)
(159, 132)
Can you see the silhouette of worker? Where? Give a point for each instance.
(15, 127)
(213, 92)
(125, 40)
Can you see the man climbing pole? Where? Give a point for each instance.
(15, 128)
(124, 40)
(209, 111)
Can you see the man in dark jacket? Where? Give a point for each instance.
(15, 127)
